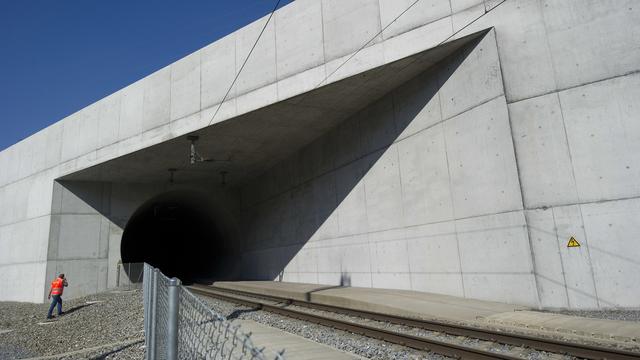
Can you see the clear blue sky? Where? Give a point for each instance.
(58, 56)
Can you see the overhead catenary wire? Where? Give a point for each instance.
(391, 23)
(454, 33)
(245, 62)
(365, 44)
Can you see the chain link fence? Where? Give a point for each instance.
(129, 275)
(178, 325)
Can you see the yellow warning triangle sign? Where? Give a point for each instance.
(573, 242)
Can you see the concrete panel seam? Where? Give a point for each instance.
(78, 214)
(566, 136)
(366, 216)
(397, 152)
(275, 54)
(24, 263)
(78, 259)
(337, 202)
(324, 53)
(559, 90)
(171, 93)
(426, 272)
(546, 37)
(564, 276)
(586, 241)
(453, 30)
(412, 226)
(420, 26)
(50, 246)
(25, 220)
(455, 228)
(380, 20)
(464, 110)
(200, 85)
(533, 264)
(604, 201)
(519, 177)
(119, 122)
(62, 137)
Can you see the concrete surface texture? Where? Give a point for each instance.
(296, 347)
(455, 151)
(477, 313)
(407, 303)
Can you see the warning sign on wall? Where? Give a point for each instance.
(573, 242)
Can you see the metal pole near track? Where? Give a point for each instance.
(154, 304)
(145, 288)
(172, 325)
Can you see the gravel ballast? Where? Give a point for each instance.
(349, 342)
(364, 346)
(624, 315)
(110, 323)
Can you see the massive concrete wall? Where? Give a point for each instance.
(502, 153)
(306, 42)
(418, 191)
(450, 209)
(571, 106)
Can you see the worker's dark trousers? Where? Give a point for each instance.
(55, 299)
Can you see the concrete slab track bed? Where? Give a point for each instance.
(455, 150)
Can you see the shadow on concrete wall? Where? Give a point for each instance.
(267, 250)
(182, 234)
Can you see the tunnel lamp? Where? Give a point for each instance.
(172, 172)
(194, 156)
(223, 175)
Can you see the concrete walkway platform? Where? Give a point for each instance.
(297, 347)
(626, 331)
(396, 302)
(453, 309)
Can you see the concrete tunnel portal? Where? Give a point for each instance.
(178, 233)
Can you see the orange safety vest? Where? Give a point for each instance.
(57, 286)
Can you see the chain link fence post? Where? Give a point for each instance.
(145, 303)
(154, 305)
(172, 326)
(178, 324)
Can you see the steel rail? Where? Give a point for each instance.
(416, 342)
(537, 343)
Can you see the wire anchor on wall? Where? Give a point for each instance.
(172, 172)
(223, 177)
(194, 155)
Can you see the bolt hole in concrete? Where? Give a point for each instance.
(177, 233)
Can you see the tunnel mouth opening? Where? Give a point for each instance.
(177, 233)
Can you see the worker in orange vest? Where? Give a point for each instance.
(57, 287)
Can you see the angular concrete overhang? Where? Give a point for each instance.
(248, 144)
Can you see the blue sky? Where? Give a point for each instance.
(58, 56)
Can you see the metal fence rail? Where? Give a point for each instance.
(178, 325)
(129, 275)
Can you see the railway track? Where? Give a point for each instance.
(283, 306)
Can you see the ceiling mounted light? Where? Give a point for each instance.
(195, 157)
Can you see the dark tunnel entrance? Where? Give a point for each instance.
(176, 233)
